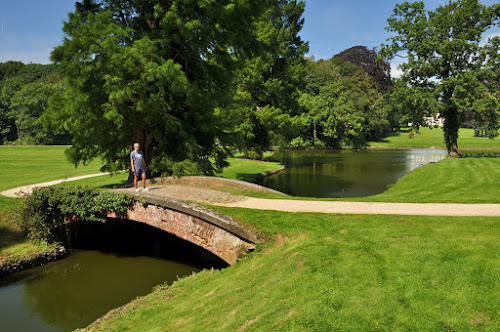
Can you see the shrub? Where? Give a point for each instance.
(47, 209)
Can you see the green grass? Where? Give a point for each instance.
(453, 180)
(23, 165)
(246, 169)
(13, 243)
(434, 138)
(238, 169)
(331, 272)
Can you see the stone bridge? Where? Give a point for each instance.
(209, 229)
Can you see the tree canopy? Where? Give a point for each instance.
(24, 94)
(150, 72)
(446, 61)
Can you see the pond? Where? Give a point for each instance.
(345, 173)
(72, 293)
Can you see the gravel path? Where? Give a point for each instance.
(221, 198)
(415, 209)
(215, 197)
(195, 194)
(26, 190)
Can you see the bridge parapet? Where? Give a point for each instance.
(209, 229)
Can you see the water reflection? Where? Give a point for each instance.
(327, 173)
(122, 260)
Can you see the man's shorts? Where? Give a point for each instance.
(139, 171)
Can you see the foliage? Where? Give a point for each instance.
(24, 94)
(343, 105)
(445, 58)
(47, 209)
(368, 60)
(153, 73)
(264, 110)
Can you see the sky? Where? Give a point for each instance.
(30, 29)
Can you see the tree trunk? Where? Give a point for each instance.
(451, 124)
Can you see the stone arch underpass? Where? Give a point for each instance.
(209, 229)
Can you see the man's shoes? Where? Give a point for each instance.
(145, 189)
(137, 190)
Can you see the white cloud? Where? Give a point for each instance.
(396, 72)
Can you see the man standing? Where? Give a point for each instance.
(138, 166)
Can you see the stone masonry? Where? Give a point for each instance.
(217, 233)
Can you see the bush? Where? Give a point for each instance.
(48, 209)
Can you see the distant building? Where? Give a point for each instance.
(431, 121)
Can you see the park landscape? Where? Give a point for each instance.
(185, 82)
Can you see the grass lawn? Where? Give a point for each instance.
(434, 138)
(453, 180)
(22, 165)
(238, 169)
(246, 169)
(330, 272)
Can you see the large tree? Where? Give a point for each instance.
(265, 104)
(368, 60)
(150, 71)
(444, 56)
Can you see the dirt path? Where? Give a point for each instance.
(416, 209)
(26, 190)
(221, 198)
(215, 197)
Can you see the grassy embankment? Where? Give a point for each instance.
(428, 138)
(330, 272)
(23, 165)
(323, 272)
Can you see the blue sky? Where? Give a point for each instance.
(31, 28)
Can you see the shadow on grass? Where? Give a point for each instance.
(10, 237)
(393, 134)
(247, 176)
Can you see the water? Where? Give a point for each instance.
(327, 173)
(71, 293)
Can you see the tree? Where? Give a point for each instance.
(367, 60)
(342, 103)
(444, 55)
(150, 72)
(265, 105)
(24, 94)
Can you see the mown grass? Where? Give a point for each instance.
(331, 272)
(434, 138)
(238, 169)
(452, 180)
(23, 165)
(246, 169)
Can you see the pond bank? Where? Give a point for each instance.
(12, 265)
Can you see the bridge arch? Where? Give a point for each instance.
(209, 229)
